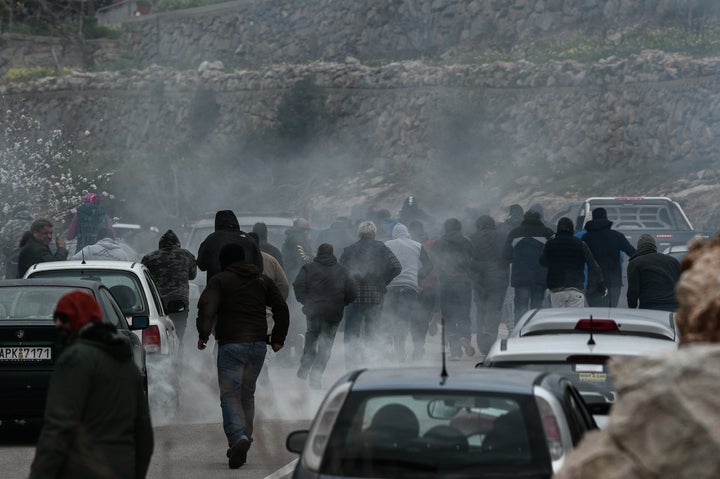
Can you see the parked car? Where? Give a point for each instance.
(411, 422)
(30, 345)
(135, 292)
(677, 251)
(578, 342)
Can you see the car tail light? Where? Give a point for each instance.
(551, 428)
(151, 339)
(322, 427)
(663, 236)
(597, 325)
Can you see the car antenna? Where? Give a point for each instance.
(443, 373)
(591, 341)
(82, 254)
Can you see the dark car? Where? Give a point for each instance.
(390, 423)
(30, 345)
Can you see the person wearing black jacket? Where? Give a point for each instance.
(324, 287)
(37, 249)
(606, 245)
(565, 258)
(652, 277)
(523, 248)
(261, 230)
(489, 272)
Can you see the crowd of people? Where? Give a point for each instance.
(382, 281)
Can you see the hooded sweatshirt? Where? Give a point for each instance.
(106, 248)
(652, 277)
(451, 256)
(413, 259)
(324, 287)
(227, 230)
(171, 267)
(82, 437)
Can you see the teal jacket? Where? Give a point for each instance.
(97, 420)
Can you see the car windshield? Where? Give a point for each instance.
(30, 302)
(419, 435)
(124, 286)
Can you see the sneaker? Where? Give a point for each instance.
(238, 453)
(467, 347)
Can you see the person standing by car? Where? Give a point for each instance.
(172, 269)
(565, 257)
(607, 246)
(237, 298)
(105, 248)
(528, 277)
(372, 265)
(652, 277)
(324, 287)
(37, 249)
(97, 420)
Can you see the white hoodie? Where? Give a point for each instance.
(106, 248)
(407, 251)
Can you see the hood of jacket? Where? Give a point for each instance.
(325, 259)
(226, 220)
(109, 243)
(646, 245)
(168, 240)
(454, 237)
(400, 231)
(597, 225)
(246, 271)
(105, 336)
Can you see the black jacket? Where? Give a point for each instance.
(523, 248)
(565, 257)
(652, 278)
(489, 269)
(451, 256)
(36, 252)
(324, 287)
(227, 230)
(606, 245)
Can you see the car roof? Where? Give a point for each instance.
(630, 321)
(558, 347)
(479, 380)
(71, 282)
(87, 264)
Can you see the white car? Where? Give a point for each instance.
(577, 342)
(134, 290)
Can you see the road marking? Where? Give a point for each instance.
(283, 471)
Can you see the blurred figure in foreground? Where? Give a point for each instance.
(106, 247)
(324, 287)
(11, 261)
(97, 420)
(662, 423)
(87, 222)
(172, 269)
(237, 298)
(37, 249)
(652, 277)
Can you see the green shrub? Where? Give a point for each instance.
(16, 75)
(168, 5)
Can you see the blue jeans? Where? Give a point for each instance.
(239, 366)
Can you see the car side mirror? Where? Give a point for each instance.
(296, 440)
(139, 322)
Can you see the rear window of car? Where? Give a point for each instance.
(30, 302)
(402, 435)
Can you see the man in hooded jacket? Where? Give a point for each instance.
(607, 246)
(324, 287)
(652, 277)
(105, 248)
(97, 420)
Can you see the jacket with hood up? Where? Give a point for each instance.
(606, 245)
(324, 287)
(488, 267)
(414, 260)
(227, 230)
(451, 255)
(97, 420)
(523, 248)
(172, 268)
(652, 278)
(105, 248)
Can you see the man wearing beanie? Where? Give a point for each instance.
(652, 277)
(97, 420)
(236, 298)
(324, 287)
(606, 246)
(565, 258)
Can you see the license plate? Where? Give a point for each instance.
(25, 353)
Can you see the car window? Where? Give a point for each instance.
(580, 413)
(114, 313)
(436, 433)
(30, 302)
(154, 293)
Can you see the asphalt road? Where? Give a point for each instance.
(191, 442)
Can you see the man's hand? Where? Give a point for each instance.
(276, 347)
(202, 344)
(59, 242)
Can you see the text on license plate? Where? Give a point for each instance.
(24, 353)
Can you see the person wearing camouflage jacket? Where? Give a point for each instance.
(172, 268)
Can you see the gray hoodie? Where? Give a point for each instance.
(408, 252)
(106, 248)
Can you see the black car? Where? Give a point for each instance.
(30, 345)
(393, 423)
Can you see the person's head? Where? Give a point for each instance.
(168, 240)
(231, 253)
(417, 231)
(565, 225)
(698, 292)
(539, 208)
(515, 211)
(484, 222)
(92, 198)
(226, 220)
(42, 230)
(366, 230)
(452, 224)
(410, 202)
(260, 229)
(301, 224)
(252, 235)
(599, 214)
(73, 311)
(325, 249)
(646, 242)
(532, 215)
